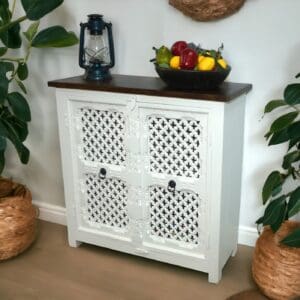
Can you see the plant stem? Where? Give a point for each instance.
(11, 24)
(12, 59)
(28, 53)
(21, 60)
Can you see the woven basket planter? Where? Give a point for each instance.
(17, 219)
(275, 267)
(207, 10)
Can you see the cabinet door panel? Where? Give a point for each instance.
(104, 204)
(99, 136)
(102, 135)
(174, 148)
(174, 216)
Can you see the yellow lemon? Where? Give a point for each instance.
(222, 62)
(206, 64)
(175, 62)
(200, 57)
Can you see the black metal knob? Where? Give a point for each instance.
(102, 173)
(171, 186)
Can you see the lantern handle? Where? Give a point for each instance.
(111, 44)
(82, 63)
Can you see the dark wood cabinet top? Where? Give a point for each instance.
(152, 86)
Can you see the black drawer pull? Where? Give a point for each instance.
(102, 173)
(171, 186)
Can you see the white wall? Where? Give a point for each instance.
(261, 43)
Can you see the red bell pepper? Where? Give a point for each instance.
(188, 59)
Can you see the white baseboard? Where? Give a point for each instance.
(247, 236)
(51, 213)
(57, 214)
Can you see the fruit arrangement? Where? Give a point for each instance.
(188, 56)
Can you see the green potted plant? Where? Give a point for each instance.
(17, 232)
(276, 261)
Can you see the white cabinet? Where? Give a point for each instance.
(153, 176)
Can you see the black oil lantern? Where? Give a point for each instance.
(94, 54)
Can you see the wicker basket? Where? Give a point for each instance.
(275, 267)
(17, 219)
(207, 10)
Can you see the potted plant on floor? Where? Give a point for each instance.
(276, 261)
(17, 215)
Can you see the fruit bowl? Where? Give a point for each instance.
(192, 79)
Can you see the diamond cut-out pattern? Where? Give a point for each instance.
(174, 216)
(106, 201)
(103, 136)
(174, 146)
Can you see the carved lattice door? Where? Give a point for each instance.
(174, 148)
(102, 150)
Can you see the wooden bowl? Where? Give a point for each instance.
(191, 79)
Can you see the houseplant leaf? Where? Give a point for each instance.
(275, 213)
(22, 71)
(273, 104)
(294, 203)
(279, 137)
(55, 36)
(283, 121)
(14, 109)
(3, 82)
(12, 135)
(4, 3)
(4, 11)
(3, 131)
(292, 94)
(260, 220)
(293, 142)
(3, 145)
(6, 67)
(293, 239)
(31, 31)
(21, 85)
(277, 190)
(21, 128)
(2, 161)
(36, 9)
(11, 38)
(19, 106)
(294, 130)
(290, 158)
(3, 50)
(273, 181)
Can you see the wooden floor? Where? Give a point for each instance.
(51, 270)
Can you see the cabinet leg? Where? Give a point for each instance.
(74, 243)
(215, 276)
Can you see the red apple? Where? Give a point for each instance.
(178, 47)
